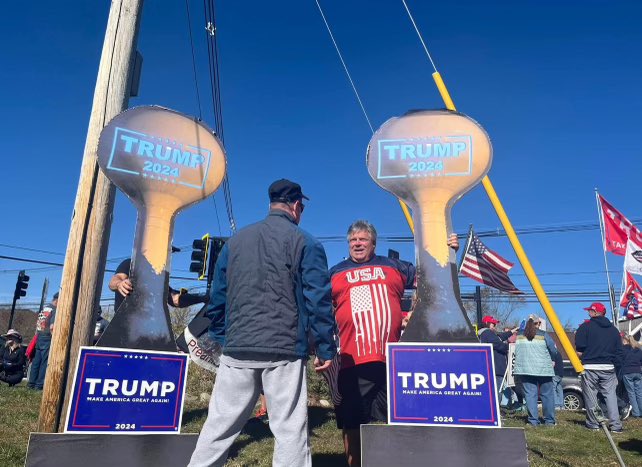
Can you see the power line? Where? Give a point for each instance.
(497, 232)
(15, 247)
(211, 38)
(191, 42)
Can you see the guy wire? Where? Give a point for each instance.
(419, 34)
(336, 47)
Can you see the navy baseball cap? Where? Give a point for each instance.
(285, 191)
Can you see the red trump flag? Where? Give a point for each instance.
(617, 229)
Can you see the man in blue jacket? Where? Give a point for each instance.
(271, 290)
(599, 345)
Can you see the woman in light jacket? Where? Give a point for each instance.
(534, 355)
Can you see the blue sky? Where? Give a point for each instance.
(556, 86)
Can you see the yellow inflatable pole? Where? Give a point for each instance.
(406, 213)
(517, 246)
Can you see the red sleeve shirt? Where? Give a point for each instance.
(367, 298)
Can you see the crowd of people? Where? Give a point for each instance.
(274, 301)
(610, 358)
(16, 357)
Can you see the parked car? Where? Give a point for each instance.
(574, 400)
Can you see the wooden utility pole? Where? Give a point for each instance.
(91, 220)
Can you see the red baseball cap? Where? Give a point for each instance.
(597, 307)
(489, 319)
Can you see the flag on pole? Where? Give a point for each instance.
(617, 229)
(632, 298)
(633, 258)
(484, 265)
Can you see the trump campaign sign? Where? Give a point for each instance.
(442, 385)
(127, 391)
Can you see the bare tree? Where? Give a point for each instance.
(181, 317)
(503, 306)
(24, 321)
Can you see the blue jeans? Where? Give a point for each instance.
(531, 385)
(559, 392)
(40, 361)
(633, 385)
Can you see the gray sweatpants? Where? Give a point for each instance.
(235, 392)
(605, 382)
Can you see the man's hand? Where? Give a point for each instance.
(453, 241)
(321, 365)
(404, 321)
(125, 287)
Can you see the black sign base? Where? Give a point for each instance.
(386, 445)
(81, 450)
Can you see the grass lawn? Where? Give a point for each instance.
(567, 444)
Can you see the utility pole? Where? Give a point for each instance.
(614, 306)
(45, 288)
(91, 220)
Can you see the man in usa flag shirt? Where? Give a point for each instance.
(366, 292)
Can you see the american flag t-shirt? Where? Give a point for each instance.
(371, 318)
(367, 298)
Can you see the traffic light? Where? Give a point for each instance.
(215, 250)
(200, 256)
(21, 285)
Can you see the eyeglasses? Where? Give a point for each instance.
(302, 206)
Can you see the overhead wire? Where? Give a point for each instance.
(419, 34)
(214, 73)
(191, 42)
(345, 67)
(16, 247)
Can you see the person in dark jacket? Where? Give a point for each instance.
(488, 335)
(13, 358)
(632, 373)
(271, 290)
(599, 346)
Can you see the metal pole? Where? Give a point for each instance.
(45, 288)
(479, 305)
(519, 250)
(15, 298)
(13, 309)
(606, 263)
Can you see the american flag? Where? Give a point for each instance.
(371, 316)
(632, 298)
(484, 265)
